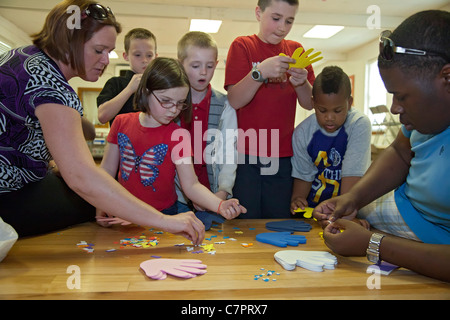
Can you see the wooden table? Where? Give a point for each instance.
(38, 268)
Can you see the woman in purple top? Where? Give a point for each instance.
(40, 120)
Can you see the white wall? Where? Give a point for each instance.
(354, 65)
(11, 35)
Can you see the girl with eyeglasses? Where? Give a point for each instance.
(148, 148)
(41, 120)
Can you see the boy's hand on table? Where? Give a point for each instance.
(298, 203)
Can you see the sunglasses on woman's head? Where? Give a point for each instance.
(388, 48)
(98, 12)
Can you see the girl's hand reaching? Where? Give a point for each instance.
(230, 209)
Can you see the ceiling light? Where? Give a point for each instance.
(113, 55)
(322, 32)
(208, 26)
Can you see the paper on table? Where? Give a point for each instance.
(385, 268)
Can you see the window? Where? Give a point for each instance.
(385, 126)
(376, 94)
(4, 47)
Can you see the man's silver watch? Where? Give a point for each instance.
(373, 250)
(256, 75)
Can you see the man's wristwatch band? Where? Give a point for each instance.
(373, 250)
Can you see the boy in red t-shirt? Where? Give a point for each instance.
(264, 91)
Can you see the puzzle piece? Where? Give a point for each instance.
(281, 239)
(303, 60)
(183, 268)
(246, 245)
(208, 247)
(288, 225)
(307, 212)
(311, 260)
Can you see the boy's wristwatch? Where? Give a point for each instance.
(256, 75)
(373, 250)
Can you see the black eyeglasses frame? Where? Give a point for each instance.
(386, 43)
(181, 106)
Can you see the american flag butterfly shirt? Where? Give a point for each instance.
(146, 166)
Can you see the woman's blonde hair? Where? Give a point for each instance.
(65, 43)
(162, 74)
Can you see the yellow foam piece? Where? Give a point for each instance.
(208, 247)
(303, 59)
(307, 212)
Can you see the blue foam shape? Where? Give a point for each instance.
(288, 225)
(208, 218)
(281, 239)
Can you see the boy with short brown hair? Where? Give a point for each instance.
(118, 92)
(264, 91)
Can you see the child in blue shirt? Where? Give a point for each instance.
(332, 146)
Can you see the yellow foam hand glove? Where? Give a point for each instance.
(303, 59)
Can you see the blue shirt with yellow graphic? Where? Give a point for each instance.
(327, 153)
(325, 158)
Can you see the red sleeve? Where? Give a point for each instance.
(113, 131)
(237, 64)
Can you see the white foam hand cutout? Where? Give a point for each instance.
(311, 260)
(183, 268)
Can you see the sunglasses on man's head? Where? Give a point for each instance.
(98, 12)
(388, 48)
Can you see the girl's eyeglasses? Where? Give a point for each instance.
(167, 104)
(388, 48)
(98, 12)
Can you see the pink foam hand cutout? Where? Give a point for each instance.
(158, 269)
